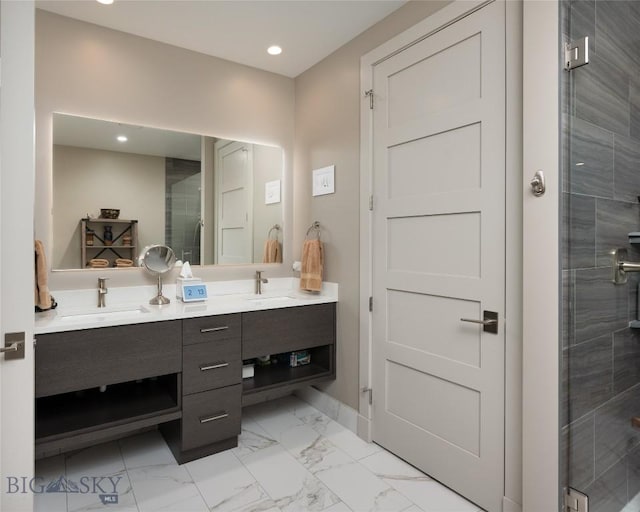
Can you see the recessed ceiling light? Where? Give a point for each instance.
(122, 138)
(105, 2)
(274, 50)
(579, 164)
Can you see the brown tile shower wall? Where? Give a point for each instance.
(601, 184)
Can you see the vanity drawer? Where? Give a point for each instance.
(211, 416)
(211, 328)
(211, 365)
(76, 360)
(282, 330)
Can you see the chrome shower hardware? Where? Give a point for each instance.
(620, 266)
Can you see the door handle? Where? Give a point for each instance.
(13, 345)
(481, 322)
(489, 321)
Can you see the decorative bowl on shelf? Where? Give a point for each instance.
(109, 213)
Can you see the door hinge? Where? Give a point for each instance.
(370, 203)
(369, 93)
(576, 53)
(370, 391)
(371, 304)
(575, 501)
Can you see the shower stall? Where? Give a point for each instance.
(600, 173)
(183, 208)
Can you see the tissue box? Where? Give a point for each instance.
(185, 280)
(247, 371)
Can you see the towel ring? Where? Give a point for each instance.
(314, 227)
(277, 229)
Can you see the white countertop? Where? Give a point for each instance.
(77, 309)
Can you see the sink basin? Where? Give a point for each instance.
(265, 298)
(102, 314)
(269, 299)
(284, 298)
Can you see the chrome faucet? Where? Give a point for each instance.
(259, 281)
(102, 291)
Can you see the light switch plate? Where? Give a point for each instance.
(324, 181)
(272, 192)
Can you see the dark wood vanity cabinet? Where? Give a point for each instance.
(211, 387)
(99, 384)
(184, 375)
(76, 360)
(277, 331)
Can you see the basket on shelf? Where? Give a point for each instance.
(109, 213)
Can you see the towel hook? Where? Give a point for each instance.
(314, 227)
(277, 228)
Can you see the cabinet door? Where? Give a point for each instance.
(75, 360)
(211, 329)
(211, 416)
(282, 330)
(211, 365)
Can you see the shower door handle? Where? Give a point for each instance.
(538, 186)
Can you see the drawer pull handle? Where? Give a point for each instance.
(214, 366)
(214, 329)
(215, 417)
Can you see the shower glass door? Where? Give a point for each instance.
(600, 352)
(183, 208)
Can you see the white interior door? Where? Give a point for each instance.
(16, 251)
(234, 196)
(438, 254)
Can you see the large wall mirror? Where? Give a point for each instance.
(212, 201)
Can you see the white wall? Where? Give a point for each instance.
(328, 99)
(267, 166)
(86, 180)
(87, 70)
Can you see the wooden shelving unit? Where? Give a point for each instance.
(101, 250)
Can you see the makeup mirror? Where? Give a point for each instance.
(158, 260)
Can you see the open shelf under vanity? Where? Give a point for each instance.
(91, 415)
(279, 377)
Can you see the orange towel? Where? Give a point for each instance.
(272, 252)
(124, 262)
(42, 296)
(312, 266)
(99, 263)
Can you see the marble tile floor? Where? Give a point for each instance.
(290, 457)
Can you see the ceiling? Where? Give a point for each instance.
(95, 134)
(239, 30)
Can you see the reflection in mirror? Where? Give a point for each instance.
(210, 200)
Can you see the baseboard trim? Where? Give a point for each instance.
(336, 410)
(510, 506)
(364, 428)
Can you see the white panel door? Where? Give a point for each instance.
(438, 254)
(234, 195)
(16, 251)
